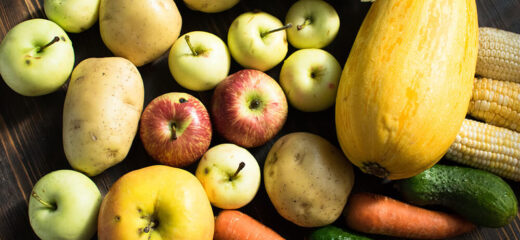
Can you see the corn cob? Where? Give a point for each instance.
(498, 54)
(487, 147)
(496, 102)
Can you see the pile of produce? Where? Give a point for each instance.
(400, 105)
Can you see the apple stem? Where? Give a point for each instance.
(187, 38)
(174, 131)
(288, 25)
(54, 40)
(301, 26)
(254, 104)
(44, 203)
(241, 165)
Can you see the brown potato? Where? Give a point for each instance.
(139, 30)
(307, 179)
(101, 113)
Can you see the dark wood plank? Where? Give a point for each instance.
(30, 127)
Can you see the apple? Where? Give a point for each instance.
(73, 16)
(316, 24)
(156, 202)
(257, 40)
(230, 176)
(310, 78)
(199, 60)
(248, 108)
(64, 204)
(36, 57)
(210, 6)
(175, 129)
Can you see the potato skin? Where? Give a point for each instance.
(307, 179)
(101, 113)
(139, 30)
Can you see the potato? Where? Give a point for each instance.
(307, 179)
(102, 108)
(139, 30)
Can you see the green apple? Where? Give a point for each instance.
(199, 61)
(257, 40)
(316, 24)
(210, 6)
(64, 205)
(36, 57)
(73, 16)
(309, 78)
(230, 176)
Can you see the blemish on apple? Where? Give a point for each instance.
(183, 100)
(117, 218)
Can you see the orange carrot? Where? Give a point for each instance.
(377, 214)
(234, 225)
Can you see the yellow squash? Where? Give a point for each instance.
(406, 86)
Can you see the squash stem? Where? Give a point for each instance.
(376, 170)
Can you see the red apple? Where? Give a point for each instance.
(248, 108)
(175, 129)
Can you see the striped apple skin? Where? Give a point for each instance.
(190, 119)
(238, 119)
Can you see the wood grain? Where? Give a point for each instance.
(30, 127)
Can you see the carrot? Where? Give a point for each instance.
(377, 214)
(234, 225)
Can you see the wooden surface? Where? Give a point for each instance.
(30, 127)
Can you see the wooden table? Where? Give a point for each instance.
(31, 127)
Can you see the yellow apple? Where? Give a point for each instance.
(156, 202)
(257, 40)
(230, 175)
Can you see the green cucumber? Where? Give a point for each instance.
(479, 196)
(334, 233)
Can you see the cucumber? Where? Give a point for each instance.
(481, 197)
(334, 233)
